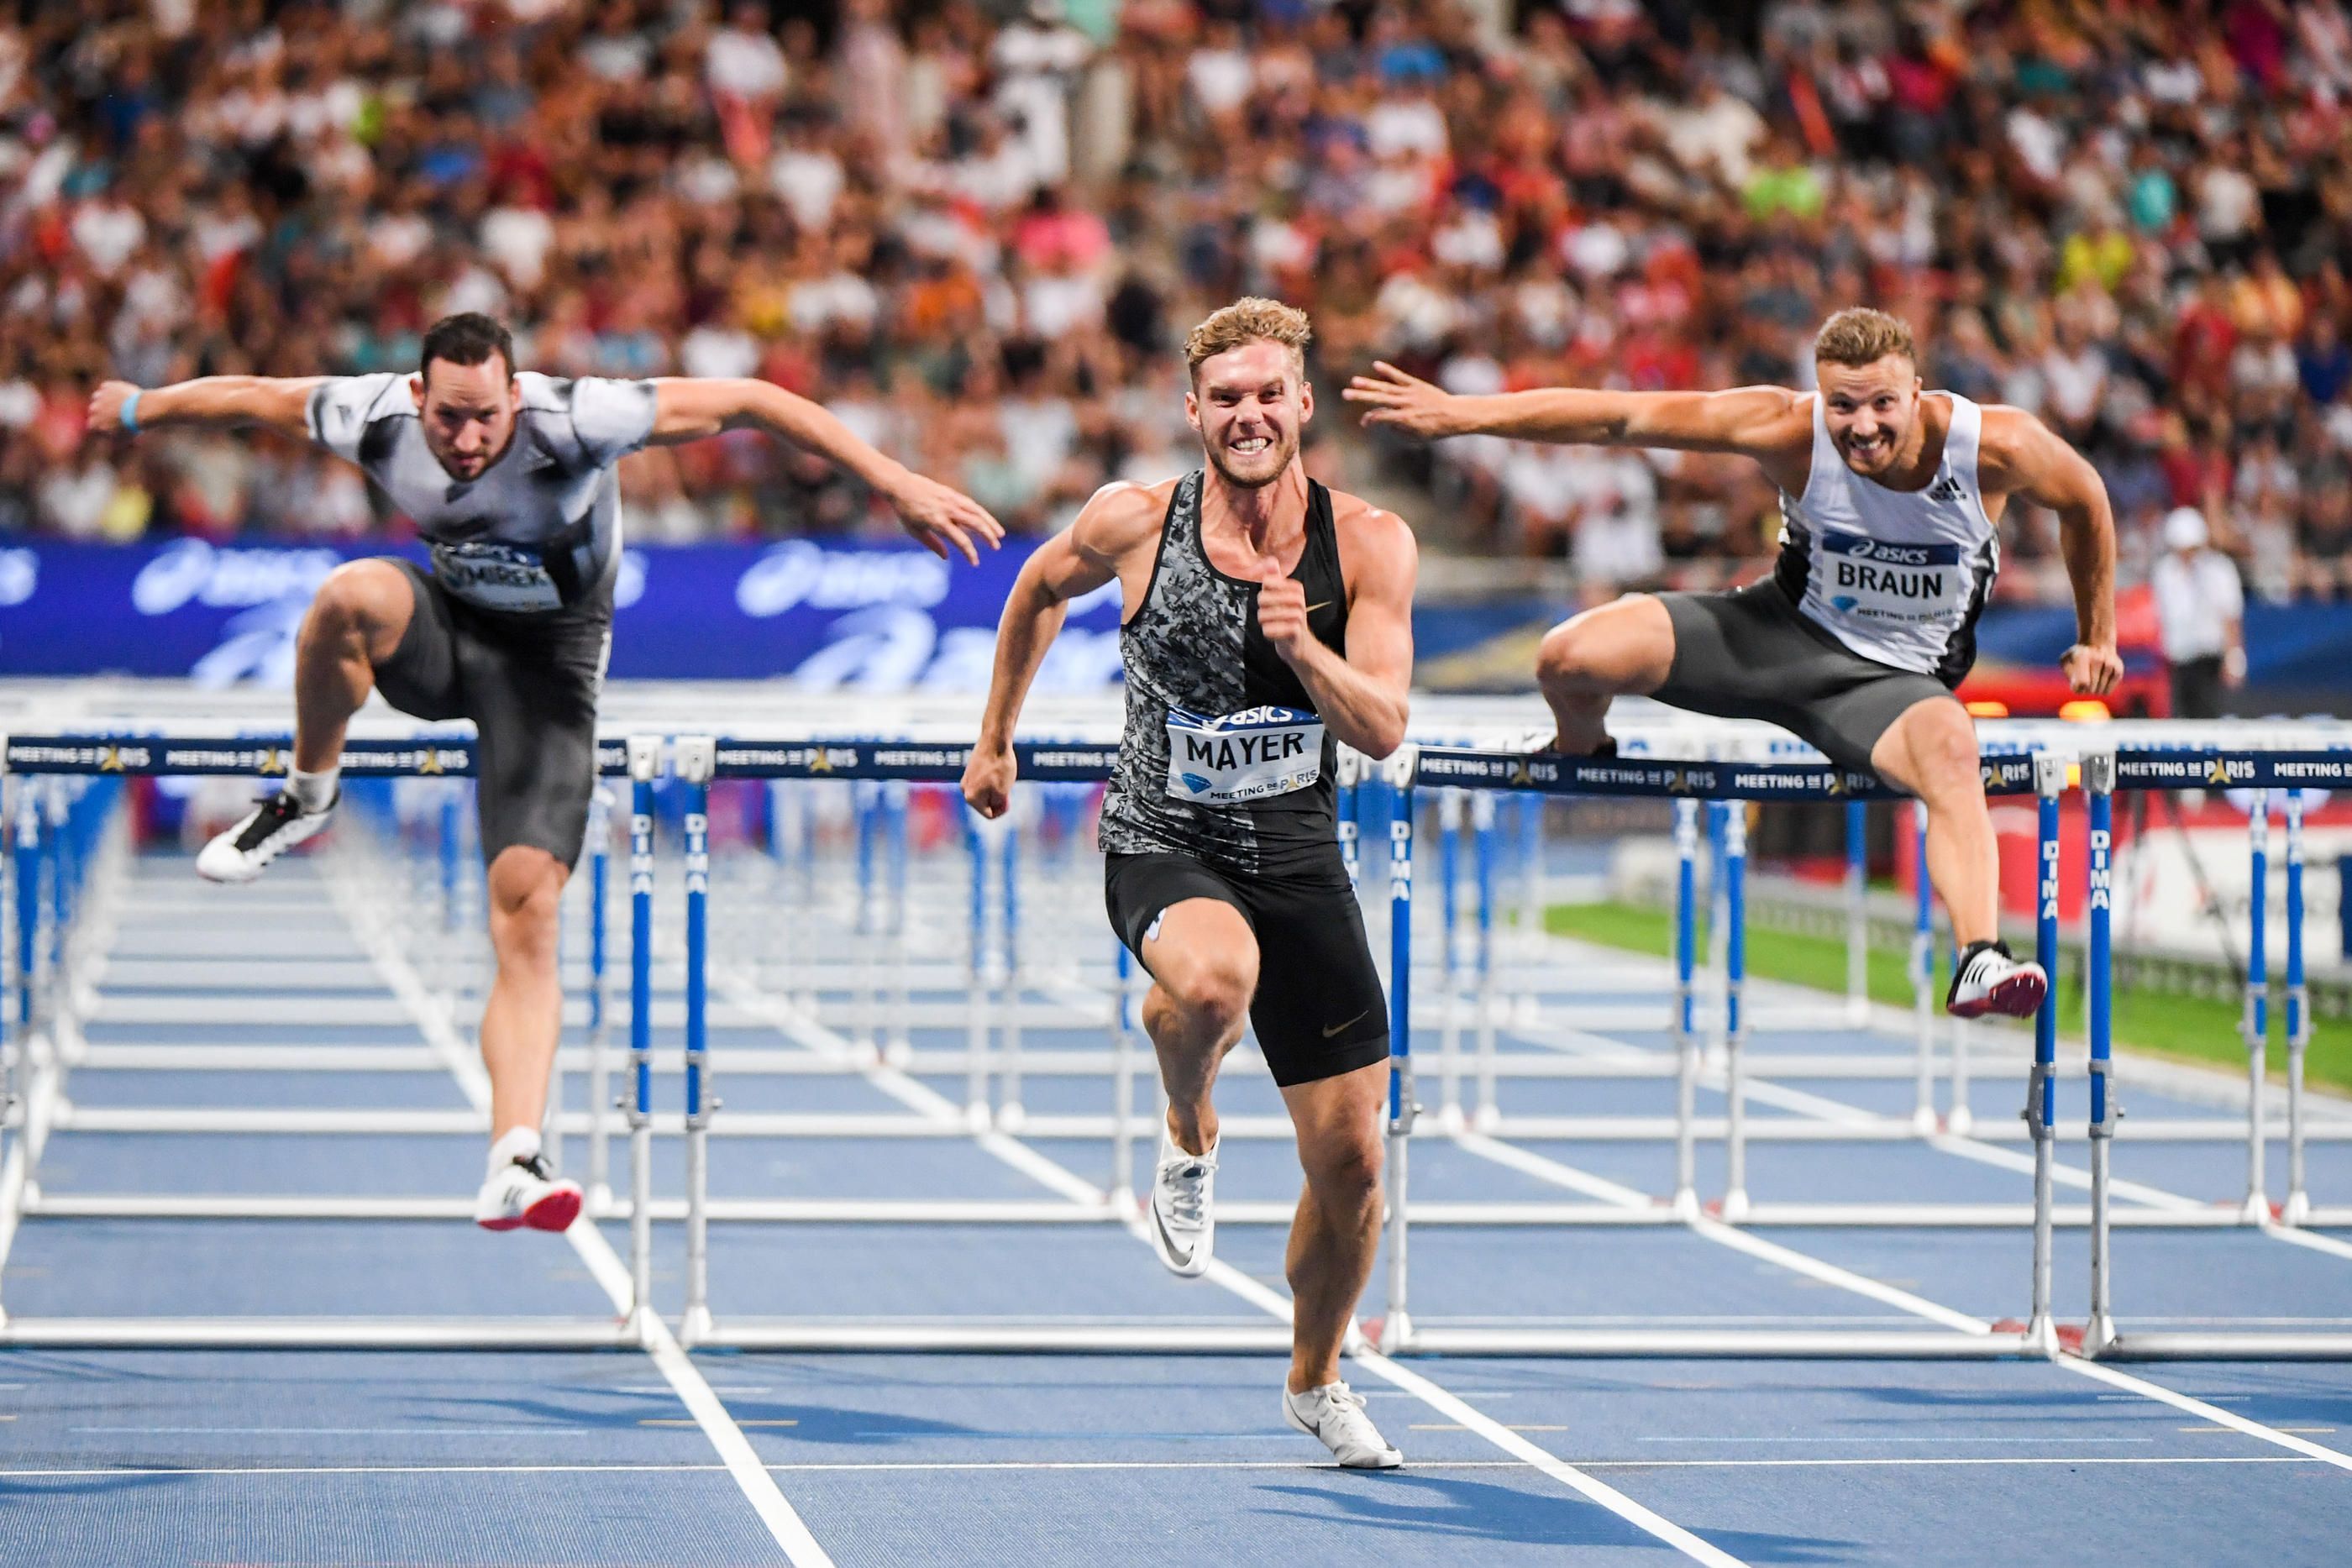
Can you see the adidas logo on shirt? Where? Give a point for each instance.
(1947, 488)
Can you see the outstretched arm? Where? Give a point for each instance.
(688, 408)
(281, 402)
(2030, 460)
(1362, 695)
(1075, 562)
(1756, 421)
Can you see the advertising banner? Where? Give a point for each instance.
(831, 615)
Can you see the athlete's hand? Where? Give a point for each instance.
(2092, 671)
(106, 406)
(941, 519)
(987, 779)
(1282, 612)
(1404, 403)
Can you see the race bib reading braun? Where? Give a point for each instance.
(1247, 756)
(510, 578)
(1875, 581)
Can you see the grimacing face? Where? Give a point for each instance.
(468, 412)
(1871, 409)
(1250, 404)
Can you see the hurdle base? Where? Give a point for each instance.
(1044, 1337)
(319, 1333)
(1837, 1344)
(2224, 1347)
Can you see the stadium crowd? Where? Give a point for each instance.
(974, 230)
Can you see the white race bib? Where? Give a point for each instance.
(512, 578)
(1247, 756)
(1880, 583)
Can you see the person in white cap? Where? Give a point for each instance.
(2201, 612)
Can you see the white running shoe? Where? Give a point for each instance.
(1988, 980)
(275, 826)
(1183, 1225)
(525, 1193)
(1334, 1416)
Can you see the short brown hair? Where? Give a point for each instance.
(1862, 336)
(1249, 321)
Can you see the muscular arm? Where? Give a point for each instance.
(2028, 460)
(1754, 421)
(281, 402)
(689, 408)
(1363, 694)
(2022, 457)
(1120, 520)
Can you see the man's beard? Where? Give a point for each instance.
(1283, 451)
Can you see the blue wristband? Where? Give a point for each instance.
(130, 415)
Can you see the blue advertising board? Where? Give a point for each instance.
(861, 617)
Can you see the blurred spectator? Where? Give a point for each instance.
(2200, 618)
(976, 226)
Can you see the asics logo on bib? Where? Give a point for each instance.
(1246, 755)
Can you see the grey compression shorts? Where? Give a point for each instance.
(1751, 653)
(530, 684)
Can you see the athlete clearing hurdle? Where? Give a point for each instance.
(1889, 502)
(508, 475)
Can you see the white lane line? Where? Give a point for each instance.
(1845, 1278)
(2103, 1372)
(364, 915)
(1020, 1156)
(1308, 1467)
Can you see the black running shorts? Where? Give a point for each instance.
(1319, 1010)
(529, 685)
(1751, 653)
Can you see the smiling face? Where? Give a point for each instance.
(469, 411)
(1870, 411)
(1250, 403)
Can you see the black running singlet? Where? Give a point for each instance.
(1224, 755)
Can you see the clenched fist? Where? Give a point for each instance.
(1282, 612)
(2092, 672)
(987, 779)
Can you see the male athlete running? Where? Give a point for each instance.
(1267, 619)
(509, 478)
(1889, 503)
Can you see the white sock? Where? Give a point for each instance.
(514, 1144)
(313, 791)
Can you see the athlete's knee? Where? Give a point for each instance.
(1604, 652)
(525, 889)
(1942, 748)
(1214, 988)
(360, 598)
(1345, 1168)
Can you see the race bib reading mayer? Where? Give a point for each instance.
(1875, 580)
(511, 578)
(1247, 756)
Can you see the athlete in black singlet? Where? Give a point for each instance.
(1268, 620)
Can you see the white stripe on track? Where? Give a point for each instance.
(1018, 1154)
(1847, 1280)
(791, 1536)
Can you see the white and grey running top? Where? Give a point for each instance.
(539, 530)
(1898, 575)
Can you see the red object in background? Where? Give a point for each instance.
(2031, 692)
